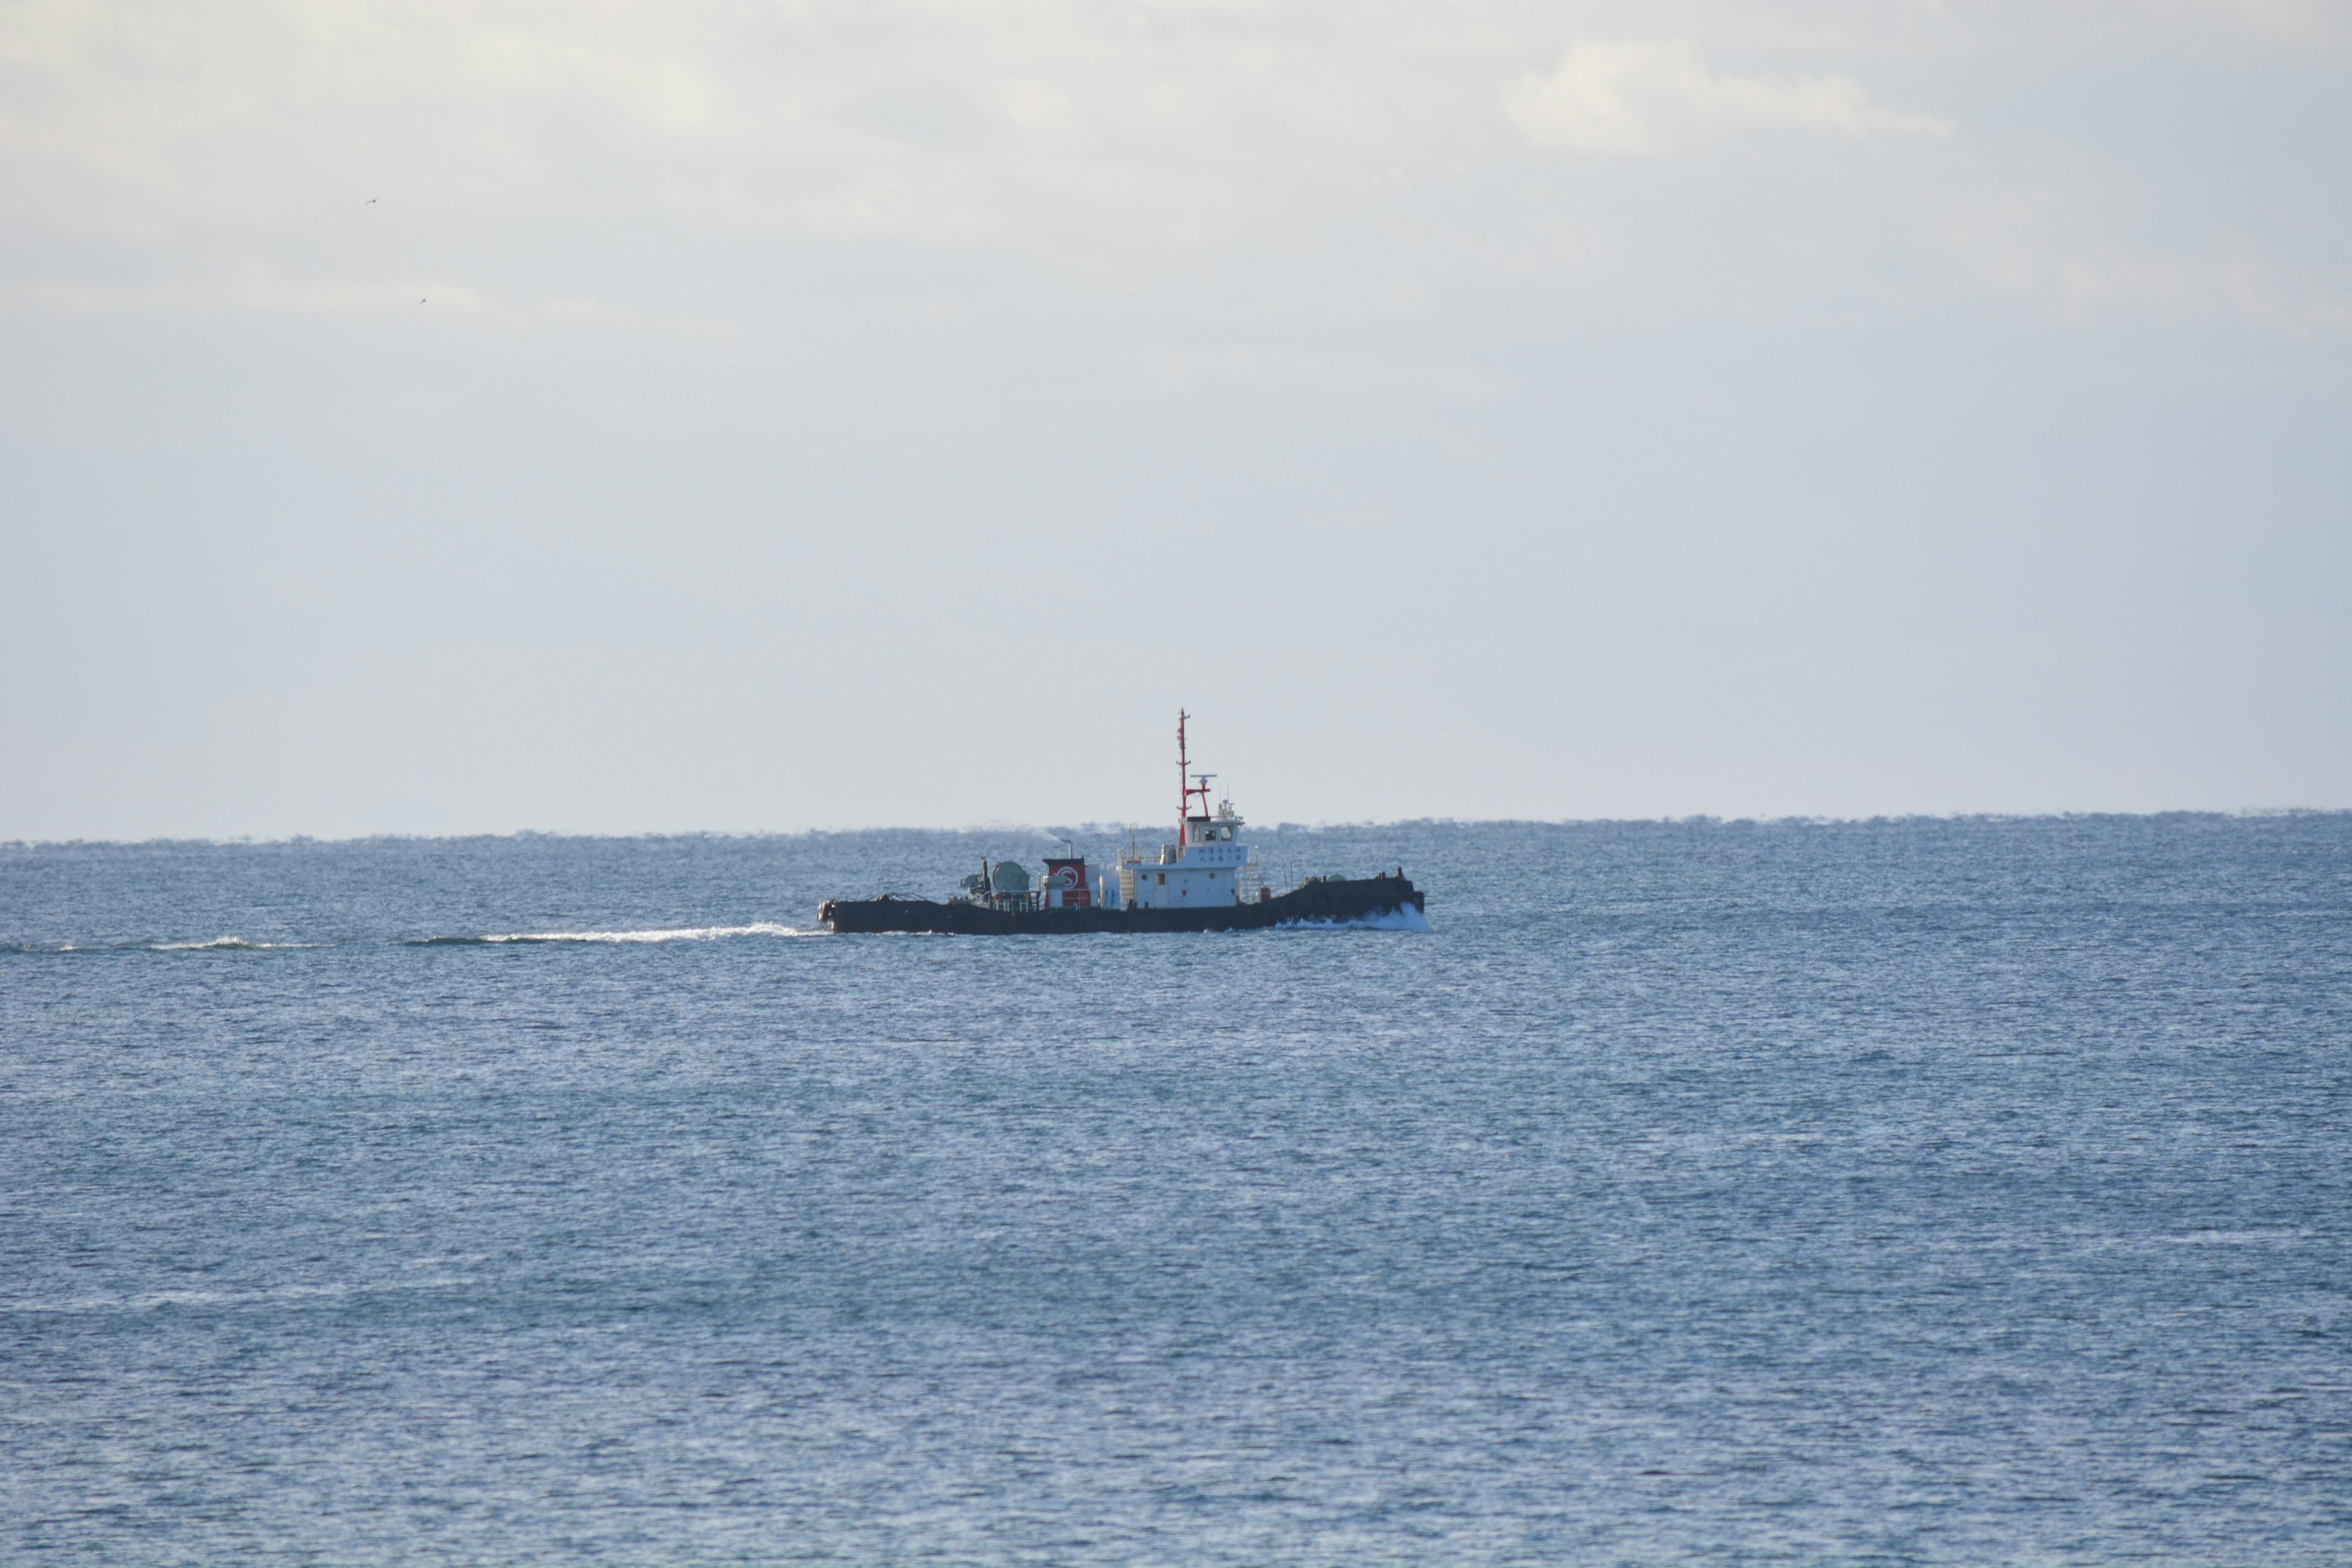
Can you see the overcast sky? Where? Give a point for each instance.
(615, 416)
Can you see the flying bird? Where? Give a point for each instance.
(368, 203)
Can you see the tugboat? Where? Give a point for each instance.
(1210, 879)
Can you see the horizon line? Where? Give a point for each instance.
(1699, 819)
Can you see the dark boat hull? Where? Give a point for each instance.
(1333, 901)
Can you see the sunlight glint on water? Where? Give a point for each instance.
(1895, 1191)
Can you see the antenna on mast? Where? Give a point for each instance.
(1184, 775)
(1184, 797)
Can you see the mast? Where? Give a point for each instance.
(1183, 795)
(1186, 791)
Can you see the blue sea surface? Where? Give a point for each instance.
(1928, 1191)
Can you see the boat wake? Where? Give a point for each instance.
(667, 933)
(1405, 918)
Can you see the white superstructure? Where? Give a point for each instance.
(1208, 864)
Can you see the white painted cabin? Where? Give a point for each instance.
(1210, 865)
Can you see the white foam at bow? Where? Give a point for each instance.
(1404, 917)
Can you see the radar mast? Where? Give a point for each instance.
(1184, 784)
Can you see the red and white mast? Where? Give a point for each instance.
(1184, 784)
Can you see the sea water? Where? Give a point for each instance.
(1892, 1191)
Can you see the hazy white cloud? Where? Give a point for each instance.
(1119, 141)
(1653, 388)
(1649, 96)
(1041, 108)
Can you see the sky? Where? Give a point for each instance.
(584, 415)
